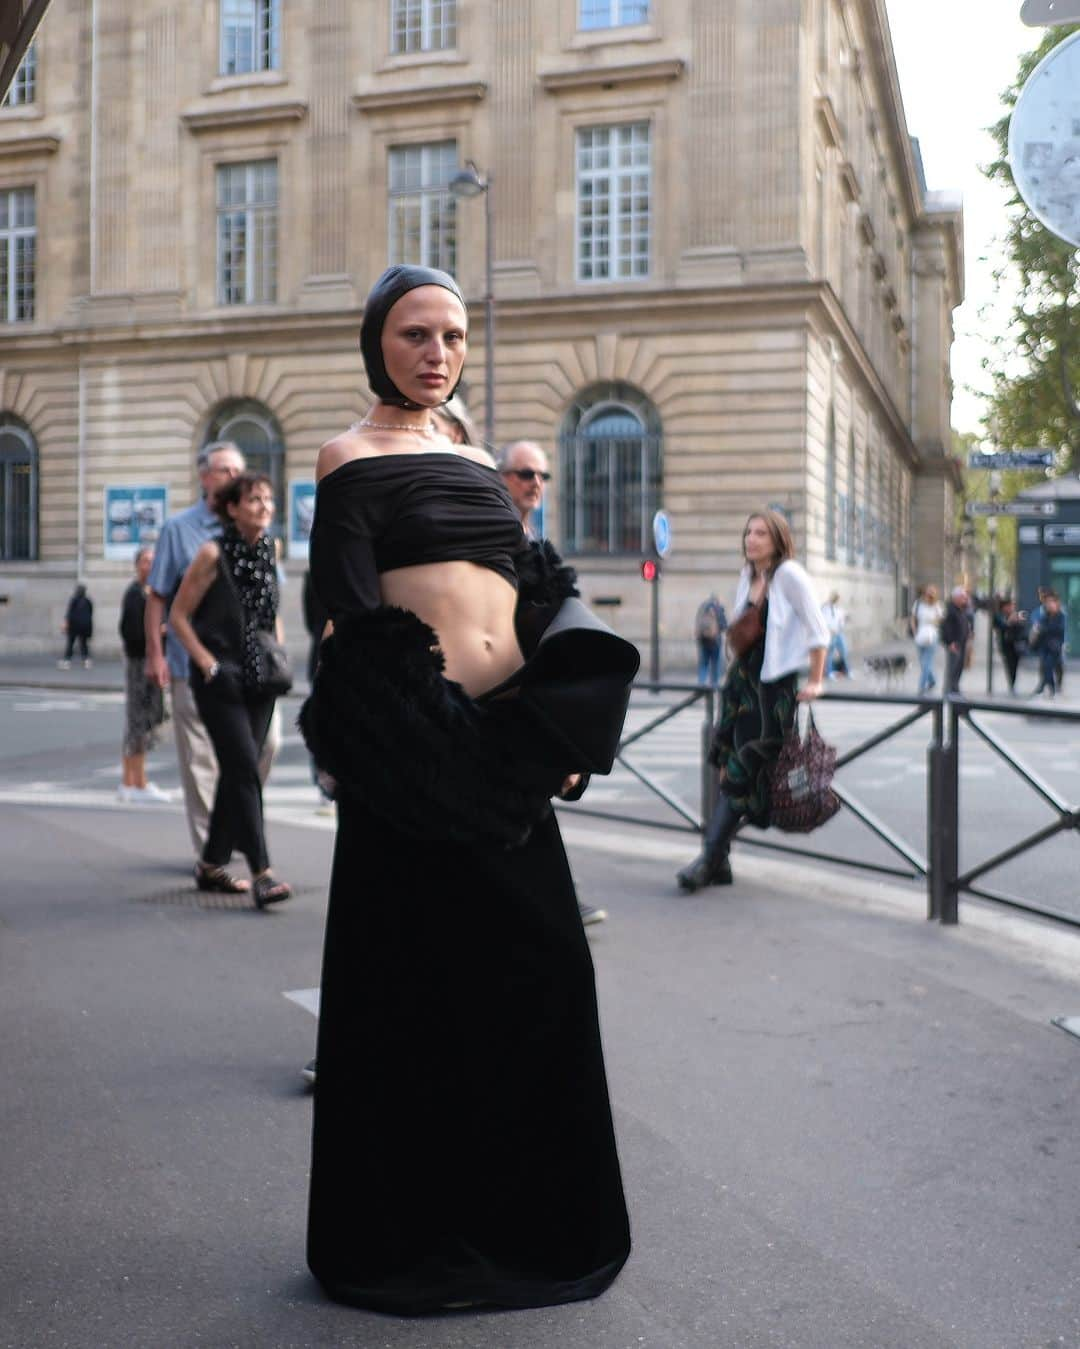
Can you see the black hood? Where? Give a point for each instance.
(384, 294)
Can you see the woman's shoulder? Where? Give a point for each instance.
(792, 573)
(341, 450)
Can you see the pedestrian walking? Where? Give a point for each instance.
(956, 637)
(1050, 643)
(524, 468)
(463, 1150)
(776, 631)
(144, 702)
(836, 658)
(710, 624)
(1010, 624)
(167, 663)
(78, 628)
(925, 627)
(1038, 622)
(226, 605)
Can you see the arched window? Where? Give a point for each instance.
(18, 492)
(255, 430)
(610, 457)
(830, 485)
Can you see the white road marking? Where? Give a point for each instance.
(307, 998)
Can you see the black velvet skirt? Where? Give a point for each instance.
(463, 1148)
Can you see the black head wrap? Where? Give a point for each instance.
(384, 294)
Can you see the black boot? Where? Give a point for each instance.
(713, 867)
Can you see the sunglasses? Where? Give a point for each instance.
(527, 474)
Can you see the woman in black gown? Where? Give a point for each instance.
(463, 1149)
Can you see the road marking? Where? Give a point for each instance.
(307, 998)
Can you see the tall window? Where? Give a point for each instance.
(18, 492)
(422, 225)
(18, 240)
(610, 460)
(852, 503)
(250, 36)
(423, 25)
(247, 232)
(612, 13)
(614, 190)
(23, 88)
(830, 486)
(254, 429)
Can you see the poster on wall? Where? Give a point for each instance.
(133, 518)
(301, 513)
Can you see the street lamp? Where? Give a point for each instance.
(469, 182)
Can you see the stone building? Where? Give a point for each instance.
(720, 281)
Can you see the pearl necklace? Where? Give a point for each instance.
(392, 426)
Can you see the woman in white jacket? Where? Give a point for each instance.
(761, 689)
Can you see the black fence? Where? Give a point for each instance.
(950, 723)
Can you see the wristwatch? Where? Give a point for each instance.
(212, 672)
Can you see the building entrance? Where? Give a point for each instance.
(1065, 579)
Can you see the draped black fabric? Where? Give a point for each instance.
(463, 1148)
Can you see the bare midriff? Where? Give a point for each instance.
(471, 609)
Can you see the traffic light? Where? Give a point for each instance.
(650, 569)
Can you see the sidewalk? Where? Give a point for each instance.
(841, 1127)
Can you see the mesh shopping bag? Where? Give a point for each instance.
(801, 797)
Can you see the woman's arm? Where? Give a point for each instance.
(197, 581)
(815, 685)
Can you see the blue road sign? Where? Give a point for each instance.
(1011, 459)
(661, 532)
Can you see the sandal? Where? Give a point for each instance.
(269, 890)
(217, 879)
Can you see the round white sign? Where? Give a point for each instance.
(1044, 141)
(661, 532)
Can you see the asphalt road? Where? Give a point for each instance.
(840, 1126)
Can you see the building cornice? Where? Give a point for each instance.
(46, 143)
(419, 96)
(223, 117)
(610, 77)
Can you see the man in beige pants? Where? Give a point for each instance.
(181, 538)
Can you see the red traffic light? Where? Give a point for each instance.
(650, 569)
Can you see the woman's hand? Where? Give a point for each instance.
(814, 688)
(570, 783)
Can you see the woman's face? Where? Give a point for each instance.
(758, 542)
(254, 512)
(423, 344)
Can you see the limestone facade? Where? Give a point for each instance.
(781, 330)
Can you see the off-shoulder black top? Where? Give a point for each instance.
(402, 510)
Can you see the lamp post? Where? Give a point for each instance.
(469, 182)
(991, 529)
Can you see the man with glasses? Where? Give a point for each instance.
(524, 468)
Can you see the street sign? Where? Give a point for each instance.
(1043, 13)
(1011, 458)
(1044, 140)
(1011, 508)
(661, 532)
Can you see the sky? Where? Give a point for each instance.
(955, 59)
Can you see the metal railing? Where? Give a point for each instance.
(938, 862)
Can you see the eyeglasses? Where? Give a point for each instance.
(527, 474)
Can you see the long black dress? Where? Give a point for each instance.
(463, 1148)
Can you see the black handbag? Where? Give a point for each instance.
(275, 676)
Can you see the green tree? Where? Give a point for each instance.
(1030, 403)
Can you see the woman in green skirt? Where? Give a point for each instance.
(761, 689)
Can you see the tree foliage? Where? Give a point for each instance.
(1030, 402)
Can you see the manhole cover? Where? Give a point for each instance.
(188, 897)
